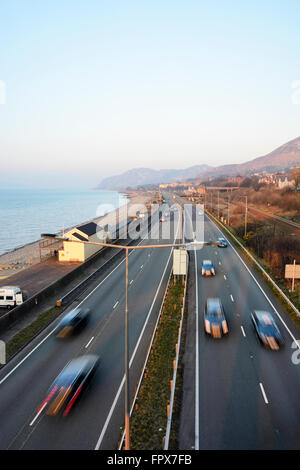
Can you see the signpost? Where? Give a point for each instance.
(292, 271)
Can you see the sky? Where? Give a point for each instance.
(92, 88)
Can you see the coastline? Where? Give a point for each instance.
(26, 255)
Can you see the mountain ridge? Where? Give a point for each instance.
(283, 157)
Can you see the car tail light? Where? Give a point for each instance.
(207, 326)
(71, 403)
(224, 326)
(49, 396)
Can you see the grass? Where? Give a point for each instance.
(28, 333)
(149, 419)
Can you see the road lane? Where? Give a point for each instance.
(24, 390)
(233, 412)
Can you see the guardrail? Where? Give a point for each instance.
(147, 358)
(21, 311)
(170, 414)
(289, 302)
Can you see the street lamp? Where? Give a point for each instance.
(246, 212)
(127, 248)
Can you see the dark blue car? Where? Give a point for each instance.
(222, 243)
(266, 329)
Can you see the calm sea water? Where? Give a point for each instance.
(26, 213)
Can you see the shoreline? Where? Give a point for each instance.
(28, 254)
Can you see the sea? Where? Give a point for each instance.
(26, 213)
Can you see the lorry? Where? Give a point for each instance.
(10, 296)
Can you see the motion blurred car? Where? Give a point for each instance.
(208, 268)
(215, 323)
(69, 385)
(222, 243)
(266, 329)
(72, 322)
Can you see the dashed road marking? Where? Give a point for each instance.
(87, 345)
(263, 393)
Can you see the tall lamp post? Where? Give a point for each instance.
(127, 249)
(246, 213)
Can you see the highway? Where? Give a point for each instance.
(245, 396)
(237, 394)
(95, 421)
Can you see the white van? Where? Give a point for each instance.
(10, 296)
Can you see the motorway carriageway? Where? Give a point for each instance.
(245, 396)
(96, 420)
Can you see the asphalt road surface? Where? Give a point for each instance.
(95, 421)
(244, 396)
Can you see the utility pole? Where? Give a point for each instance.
(246, 212)
(293, 280)
(228, 209)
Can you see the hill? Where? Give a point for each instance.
(284, 157)
(144, 176)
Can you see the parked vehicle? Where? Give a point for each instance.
(11, 296)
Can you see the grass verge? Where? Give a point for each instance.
(149, 418)
(27, 334)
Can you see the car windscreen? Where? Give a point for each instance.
(215, 312)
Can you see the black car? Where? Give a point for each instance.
(215, 323)
(222, 243)
(266, 329)
(69, 385)
(72, 322)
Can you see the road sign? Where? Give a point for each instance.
(292, 271)
(180, 260)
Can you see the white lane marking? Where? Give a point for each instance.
(133, 355)
(243, 331)
(131, 281)
(231, 298)
(196, 354)
(89, 342)
(259, 286)
(38, 414)
(263, 393)
(115, 304)
(197, 362)
(225, 277)
(52, 331)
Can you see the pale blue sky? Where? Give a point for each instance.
(94, 87)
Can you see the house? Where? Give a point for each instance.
(285, 183)
(90, 232)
